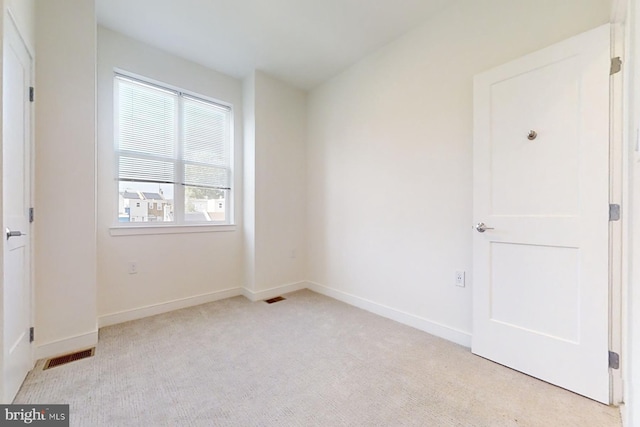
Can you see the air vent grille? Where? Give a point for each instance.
(68, 358)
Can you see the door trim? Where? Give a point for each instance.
(618, 192)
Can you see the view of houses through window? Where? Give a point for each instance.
(152, 202)
(204, 204)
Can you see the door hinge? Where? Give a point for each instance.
(32, 93)
(614, 212)
(31, 334)
(616, 65)
(614, 360)
(31, 214)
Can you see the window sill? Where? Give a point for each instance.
(132, 230)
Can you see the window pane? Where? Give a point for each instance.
(205, 133)
(141, 169)
(146, 119)
(206, 176)
(205, 144)
(145, 202)
(204, 204)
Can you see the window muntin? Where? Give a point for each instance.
(174, 150)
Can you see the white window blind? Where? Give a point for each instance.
(205, 151)
(165, 136)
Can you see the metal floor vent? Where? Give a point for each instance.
(276, 299)
(67, 358)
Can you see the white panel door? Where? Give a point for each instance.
(16, 184)
(540, 289)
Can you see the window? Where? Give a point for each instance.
(174, 152)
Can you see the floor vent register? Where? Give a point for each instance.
(68, 358)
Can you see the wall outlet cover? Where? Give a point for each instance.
(460, 279)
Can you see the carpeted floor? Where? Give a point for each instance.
(305, 361)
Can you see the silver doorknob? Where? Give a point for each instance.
(11, 234)
(481, 227)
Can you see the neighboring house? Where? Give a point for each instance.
(216, 209)
(137, 206)
(158, 207)
(207, 210)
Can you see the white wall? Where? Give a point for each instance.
(171, 267)
(275, 172)
(390, 158)
(65, 237)
(281, 126)
(249, 168)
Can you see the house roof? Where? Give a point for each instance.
(152, 196)
(131, 195)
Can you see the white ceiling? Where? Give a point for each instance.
(303, 42)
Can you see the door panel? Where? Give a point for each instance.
(520, 104)
(541, 273)
(521, 291)
(16, 202)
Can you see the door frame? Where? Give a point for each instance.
(625, 15)
(8, 19)
(618, 192)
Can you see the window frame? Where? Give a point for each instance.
(179, 224)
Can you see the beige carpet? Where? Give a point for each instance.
(305, 361)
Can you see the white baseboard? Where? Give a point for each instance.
(273, 292)
(165, 307)
(434, 328)
(67, 345)
(431, 327)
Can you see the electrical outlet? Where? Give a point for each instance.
(133, 267)
(460, 278)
